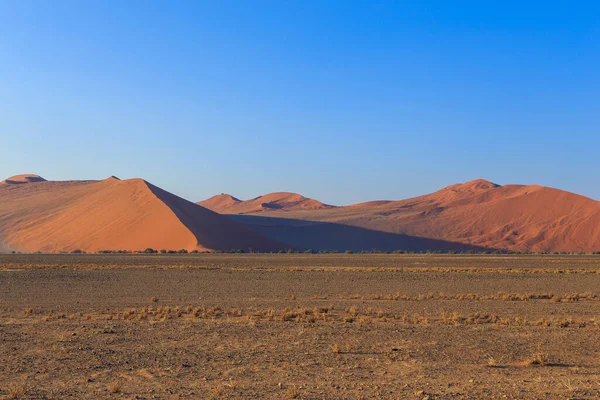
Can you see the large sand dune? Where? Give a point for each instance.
(478, 213)
(114, 214)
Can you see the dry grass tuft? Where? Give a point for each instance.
(17, 390)
(335, 349)
(293, 392)
(539, 358)
(115, 387)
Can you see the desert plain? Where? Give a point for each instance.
(305, 326)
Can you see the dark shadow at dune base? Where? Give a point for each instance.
(301, 234)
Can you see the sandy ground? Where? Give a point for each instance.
(295, 326)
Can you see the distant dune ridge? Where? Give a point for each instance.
(277, 201)
(25, 178)
(478, 213)
(132, 214)
(40, 215)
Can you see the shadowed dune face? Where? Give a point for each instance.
(212, 230)
(477, 213)
(113, 214)
(278, 201)
(305, 234)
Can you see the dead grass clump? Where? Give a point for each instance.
(293, 392)
(324, 309)
(539, 358)
(129, 314)
(492, 362)
(52, 316)
(17, 390)
(289, 316)
(236, 312)
(352, 311)
(452, 318)
(115, 387)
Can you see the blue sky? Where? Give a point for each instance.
(340, 101)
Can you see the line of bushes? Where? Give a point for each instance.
(311, 251)
(323, 251)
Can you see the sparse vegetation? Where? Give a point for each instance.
(293, 392)
(115, 387)
(17, 390)
(334, 318)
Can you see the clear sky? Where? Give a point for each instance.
(343, 101)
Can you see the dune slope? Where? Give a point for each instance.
(113, 214)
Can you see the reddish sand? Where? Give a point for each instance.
(278, 201)
(25, 178)
(220, 202)
(477, 213)
(113, 214)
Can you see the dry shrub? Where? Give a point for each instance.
(539, 358)
(335, 349)
(115, 387)
(293, 392)
(17, 390)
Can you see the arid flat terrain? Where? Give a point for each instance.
(299, 326)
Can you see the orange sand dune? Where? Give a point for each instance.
(220, 202)
(25, 178)
(479, 213)
(113, 214)
(278, 201)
